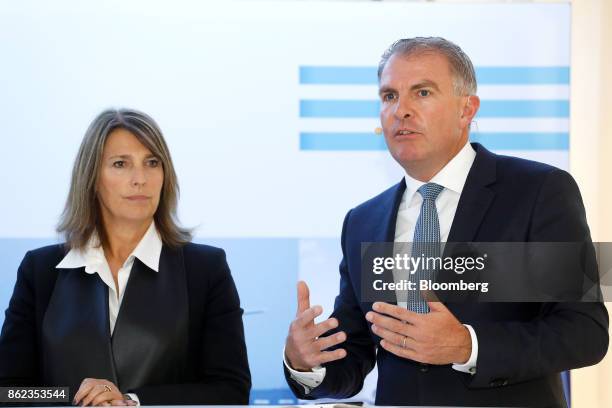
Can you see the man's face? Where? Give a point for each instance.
(424, 121)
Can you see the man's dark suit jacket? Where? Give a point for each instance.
(178, 337)
(522, 347)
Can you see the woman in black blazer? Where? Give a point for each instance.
(127, 310)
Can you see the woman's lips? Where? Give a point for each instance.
(137, 198)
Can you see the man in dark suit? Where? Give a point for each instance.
(429, 353)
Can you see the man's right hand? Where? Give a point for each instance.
(304, 348)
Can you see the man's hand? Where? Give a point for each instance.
(98, 392)
(436, 337)
(303, 348)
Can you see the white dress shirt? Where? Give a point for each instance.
(148, 251)
(452, 177)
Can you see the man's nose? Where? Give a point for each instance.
(403, 109)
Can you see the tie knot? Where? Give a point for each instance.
(430, 191)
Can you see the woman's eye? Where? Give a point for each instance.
(424, 92)
(119, 164)
(153, 163)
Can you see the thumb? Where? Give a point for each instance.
(437, 306)
(303, 295)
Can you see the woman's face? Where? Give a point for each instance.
(130, 180)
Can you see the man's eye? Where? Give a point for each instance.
(119, 164)
(153, 163)
(424, 92)
(388, 97)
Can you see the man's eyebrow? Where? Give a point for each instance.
(384, 89)
(425, 84)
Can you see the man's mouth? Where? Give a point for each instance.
(406, 132)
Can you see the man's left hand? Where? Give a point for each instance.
(436, 337)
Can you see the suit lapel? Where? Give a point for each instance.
(475, 198)
(380, 228)
(472, 208)
(386, 217)
(150, 337)
(76, 332)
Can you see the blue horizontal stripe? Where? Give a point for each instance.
(342, 141)
(522, 75)
(320, 108)
(360, 141)
(313, 108)
(524, 109)
(522, 141)
(339, 75)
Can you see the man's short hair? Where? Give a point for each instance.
(460, 64)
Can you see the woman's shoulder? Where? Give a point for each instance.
(39, 265)
(205, 264)
(194, 249)
(203, 255)
(46, 255)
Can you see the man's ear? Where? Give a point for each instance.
(470, 108)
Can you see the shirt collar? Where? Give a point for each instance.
(148, 251)
(451, 177)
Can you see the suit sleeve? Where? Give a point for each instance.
(18, 348)
(223, 376)
(344, 378)
(562, 336)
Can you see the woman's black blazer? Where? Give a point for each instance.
(178, 338)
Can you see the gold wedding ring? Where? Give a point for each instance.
(404, 342)
(107, 388)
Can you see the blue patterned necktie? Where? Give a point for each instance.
(426, 243)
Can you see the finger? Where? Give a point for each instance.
(86, 385)
(400, 313)
(386, 322)
(303, 294)
(121, 403)
(307, 317)
(436, 306)
(104, 397)
(415, 333)
(93, 393)
(327, 356)
(321, 328)
(399, 351)
(329, 341)
(394, 337)
(429, 295)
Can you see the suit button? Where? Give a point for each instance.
(424, 367)
(499, 382)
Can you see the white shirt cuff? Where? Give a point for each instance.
(306, 379)
(134, 397)
(470, 366)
